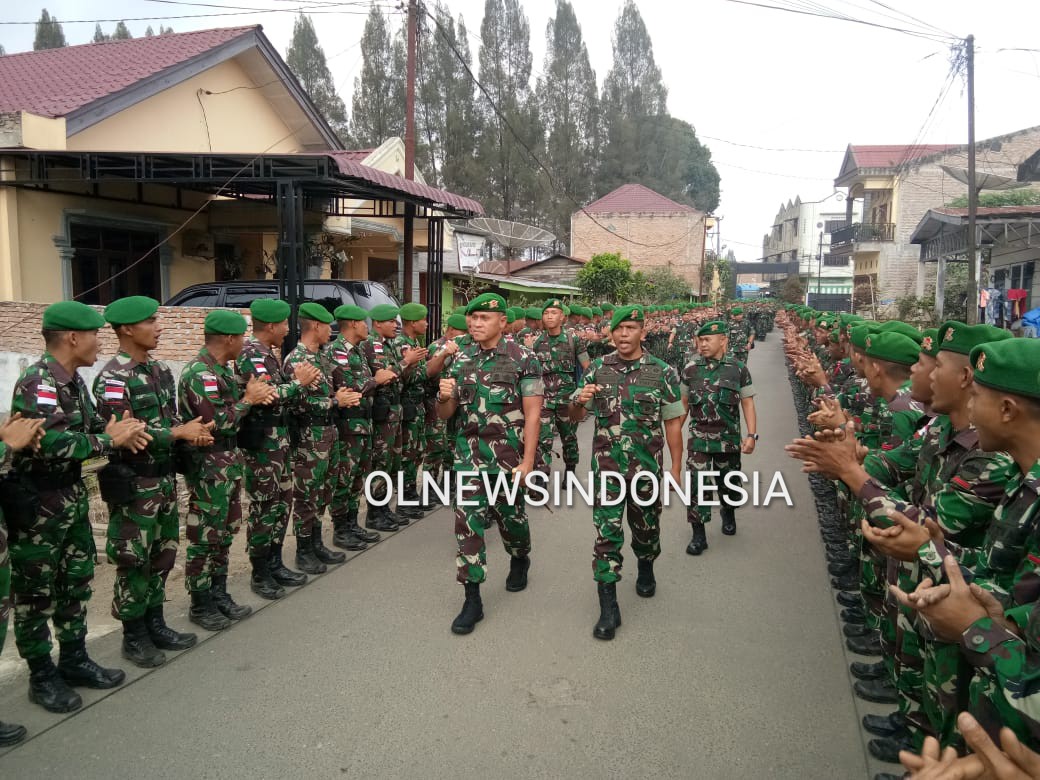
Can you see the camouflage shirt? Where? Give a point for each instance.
(352, 371)
(714, 390)
(413, 382)
(739, 335)
(148, 391)
(74, 431)
(560, 356)
(385, 353)
(259, 360)
(316, 401)
(635, 398)
(490, 387)
(209, 390)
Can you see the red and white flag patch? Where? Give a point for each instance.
(341, 357)
(209, 384)
(46, 395)
(114, 390)
(258, 365)
(377, 347)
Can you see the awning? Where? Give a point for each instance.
(530, 286)
(942, 233)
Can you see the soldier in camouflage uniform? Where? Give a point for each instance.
(560, 354)
(141, 489)
(413, 405)
(47, 512)
(315, 438)
(741, 337)
(716, 389)
(440, 433)
(632, 394)
(496, 387)
(265, 444)
(16, 433)
(207, 388)
(352, 456)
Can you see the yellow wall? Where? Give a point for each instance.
(173, 120)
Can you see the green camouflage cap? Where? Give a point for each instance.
(72, 315)
(131, 310)
(958, 337)
(222, 322)
(269, 310)
(1011, 365)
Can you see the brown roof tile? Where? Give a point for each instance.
(636, 199)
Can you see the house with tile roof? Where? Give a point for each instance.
(893, 187)
(207, 93)
(645, 227)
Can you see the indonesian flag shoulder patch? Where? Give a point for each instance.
(114, 389)
(46, 395)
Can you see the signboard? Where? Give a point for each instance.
(470, 249)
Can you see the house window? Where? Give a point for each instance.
(1016, 277)
(110, 263)
(836, 261)
(834, 225)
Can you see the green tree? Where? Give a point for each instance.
(1022, 197)
(379, 93)
(121, 33)
(569, 109)
(3, 51)
(660, 285)
(49, 33)
(792, 290)
(99, 34)
(445, 110)
(306, 60)
(607, 277)
(677, 165)
(149, 32)
(165, 30)
(510, 187)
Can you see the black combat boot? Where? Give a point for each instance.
(78, 668)
(517, 579)
(729, 520)
(222, 600)
(369, 537)
(321, 552)
(378, 520)
(410, 512)
(261, 582)
(887, 748)
(472, 611)
(395, 516)
(699, 542)
(204, 612)
(891, 725)
(569, 468)
(49, 689)
(281, 573)
(646, 583)
(864, 645)
(609, 611)
(861, 670)
(11, 734)
(343, 535)
(877, 691)
(164, 637)
(306, 560)
(138, 647)
(850, 599)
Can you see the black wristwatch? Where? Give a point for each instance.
(753, 436)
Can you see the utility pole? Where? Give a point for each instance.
(409, 151)
(973, 192)
(819, 264)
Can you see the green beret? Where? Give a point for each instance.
(131, 310)
(566, 311)
(269, 310)
(930, 342)
(71, 315)
(955, 336)
(383, 312)
(606, 307)
(895, 326)
(1011, 365)
(824, 324)
(713, 328)
(627, 314)
(459, 310)
(412, 312)
(494, 303)
(892, 347)
(349, 311)
(553, 303)
(458, 321)
(835, 337)
(597, 311)
(510, 316)
(222, 322)
(533, 313)
(737, 310)
(516, 312)
(858, 335)
(314, 311)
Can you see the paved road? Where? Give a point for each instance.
(734, 670)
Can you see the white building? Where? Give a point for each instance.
(802, 231)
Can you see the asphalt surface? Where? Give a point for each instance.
(736, 669)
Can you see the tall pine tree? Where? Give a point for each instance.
(445, 110)
(306, 60)
(567, 99)
(99, 34)
(49, 33)
(379, 93)
(511, 188)
(121, 33)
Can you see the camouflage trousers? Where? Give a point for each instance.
(722, 462)
(268, 482)
(143, 537)
(413, 445)
(214, 517)
(386, 444)
(555, 421)
(5, 583)
(351, 460)
(52, 564)
(989, 704)
(471, 522)
(908, 665)
(312, 486)
(440, 444)
(947, 676)
(643, 521)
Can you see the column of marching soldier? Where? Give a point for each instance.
(300, 432)
(923, 450)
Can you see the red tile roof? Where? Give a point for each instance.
(636, 199)
(357, 155)
(892, 156)
(56, 82)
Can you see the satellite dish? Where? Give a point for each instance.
(986, 181)
(512, 235)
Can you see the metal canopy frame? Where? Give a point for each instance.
(291, 183)
(951, 242)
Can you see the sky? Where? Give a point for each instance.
(777, 96)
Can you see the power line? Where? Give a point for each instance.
(308, 9)
(773, 173)
(770, 148)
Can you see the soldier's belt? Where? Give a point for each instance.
(148, 469)
(306, 420)
(55, 480)
(222, 444)
(266, 418)
(354, 413)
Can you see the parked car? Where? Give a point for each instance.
(330, 293)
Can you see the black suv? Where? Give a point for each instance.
(330, 293)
